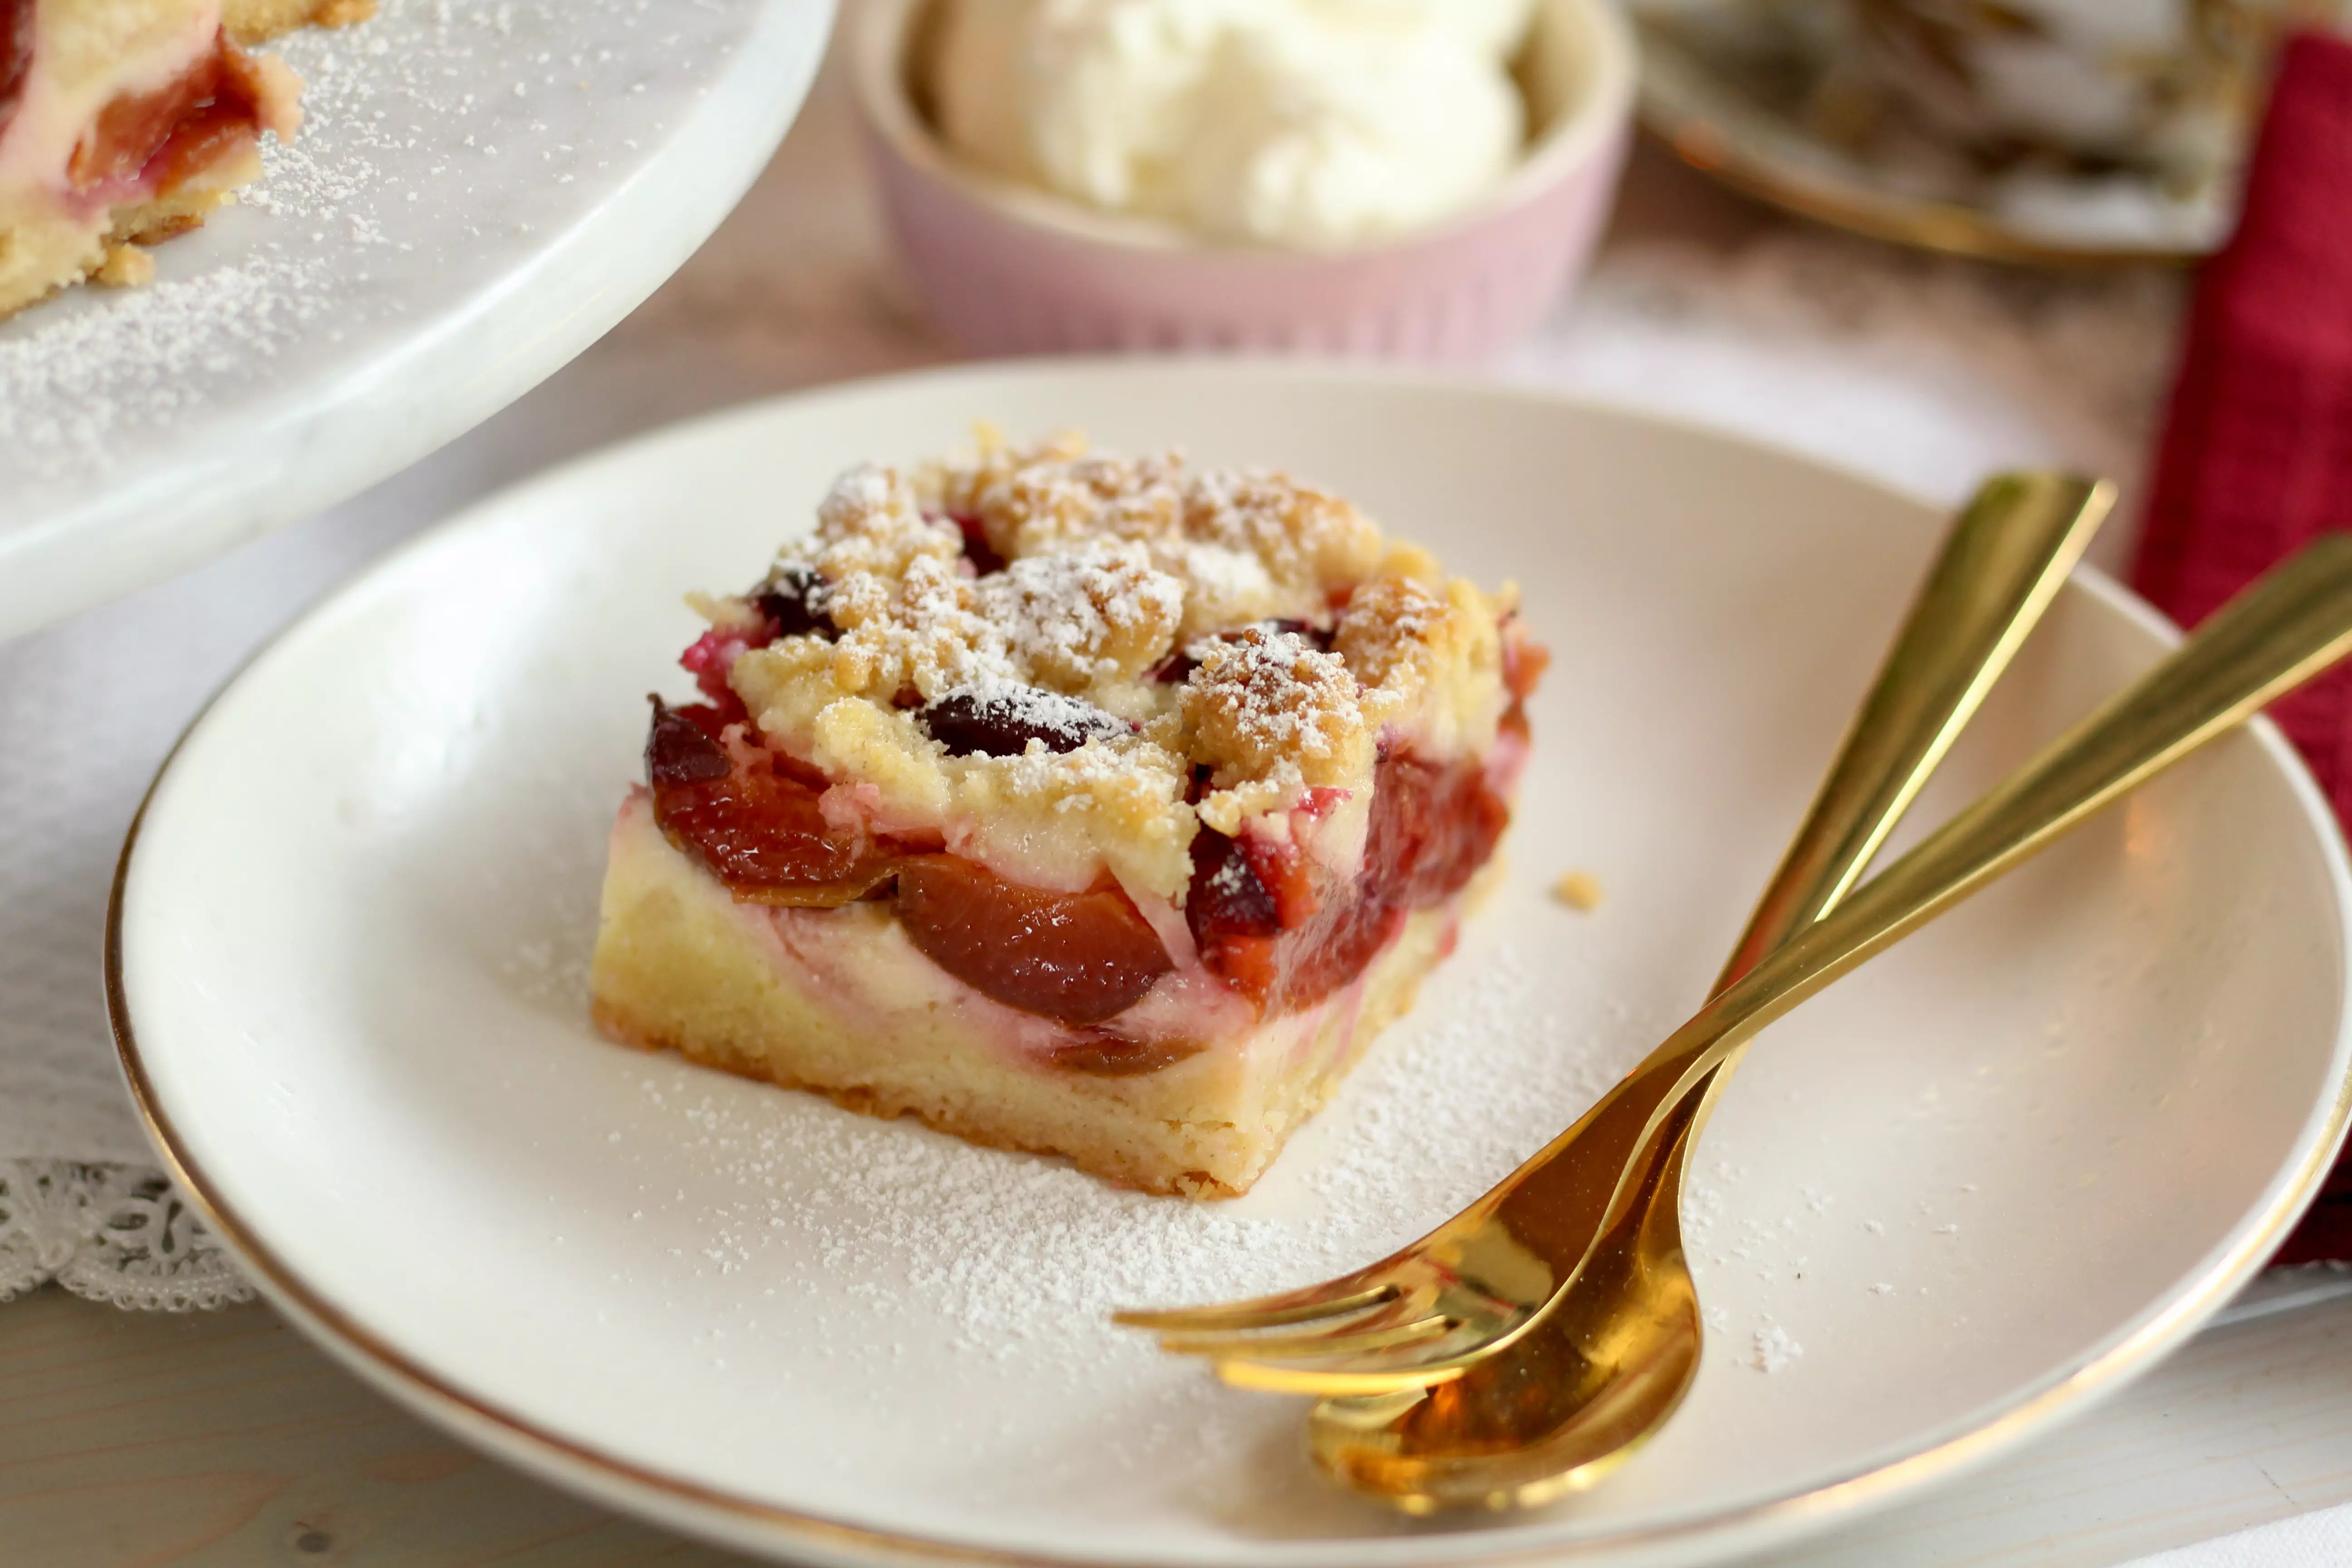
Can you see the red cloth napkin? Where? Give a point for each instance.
(2257, 452)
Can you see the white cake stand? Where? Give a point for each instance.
(483, 188)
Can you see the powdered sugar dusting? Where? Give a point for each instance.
(1100, 610)
(1273, 714)
(62, 391)
(1286, 695)
(1008, 1255)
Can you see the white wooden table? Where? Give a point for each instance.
(224, 1440)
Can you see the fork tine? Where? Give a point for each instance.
(1421, 1363)
(1329, 1300)
(1340, 1343)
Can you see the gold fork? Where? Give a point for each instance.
(1590, 1381)
(2004, 560)
(1478, 1283)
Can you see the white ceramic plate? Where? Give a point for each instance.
(481, 189)
(1991, 1174)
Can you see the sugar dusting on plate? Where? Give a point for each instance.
(63, 387)
(1011, 1252)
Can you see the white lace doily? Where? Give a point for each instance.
(1925, 373)
(112, 1233)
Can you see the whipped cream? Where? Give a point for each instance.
(1293, 122)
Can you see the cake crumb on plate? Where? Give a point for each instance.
(1578, 890)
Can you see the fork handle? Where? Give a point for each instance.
(2278, 633)
(2005, 559)
(2286, 628)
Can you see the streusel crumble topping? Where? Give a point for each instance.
(1065, 663)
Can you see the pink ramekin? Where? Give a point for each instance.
(1009, 269)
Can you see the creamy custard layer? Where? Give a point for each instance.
(835, 1001)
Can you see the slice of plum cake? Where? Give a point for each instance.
(1094, 806)
(124, 122)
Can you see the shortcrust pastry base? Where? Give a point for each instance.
(252, 21)
(39, 255)
(679, 965)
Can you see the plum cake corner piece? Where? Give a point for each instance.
(1094, 806)
(125, 121)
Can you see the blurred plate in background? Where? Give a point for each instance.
(480, 192)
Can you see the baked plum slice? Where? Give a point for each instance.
(758, 828)
(755, 820)
(15, 56)
(1266, 925)
(1000, 722)
(1079, 958)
